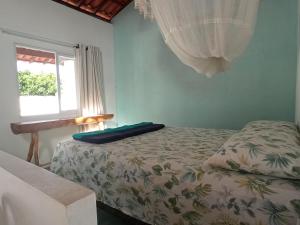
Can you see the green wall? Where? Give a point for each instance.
(153, 85)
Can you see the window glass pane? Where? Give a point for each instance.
(37, 81)
(67, 83)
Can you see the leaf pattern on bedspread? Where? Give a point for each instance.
(159, 178)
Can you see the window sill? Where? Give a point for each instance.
(35, 118)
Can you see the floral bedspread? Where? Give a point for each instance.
(159, 178)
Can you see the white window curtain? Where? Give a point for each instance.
(206, 35)
(90, 73)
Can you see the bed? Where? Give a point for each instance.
(160, 178)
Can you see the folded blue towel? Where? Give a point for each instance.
(117, 134)
(110, 130)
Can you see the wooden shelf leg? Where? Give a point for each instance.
(30, 152)
(36, 148)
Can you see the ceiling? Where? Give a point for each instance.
(101, 9)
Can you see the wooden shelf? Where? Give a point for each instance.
(34, 127)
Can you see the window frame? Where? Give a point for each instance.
(59, 52)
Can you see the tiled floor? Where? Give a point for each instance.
(108, 216)
(105, 218)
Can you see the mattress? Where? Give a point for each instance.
(159, 178)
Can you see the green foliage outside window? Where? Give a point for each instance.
(31, 84)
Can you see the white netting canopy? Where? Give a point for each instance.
(204, 34)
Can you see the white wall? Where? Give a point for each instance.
(47, 19)
(45, 198)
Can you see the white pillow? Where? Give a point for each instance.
(263, 147)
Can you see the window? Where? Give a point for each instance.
(47, 83)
